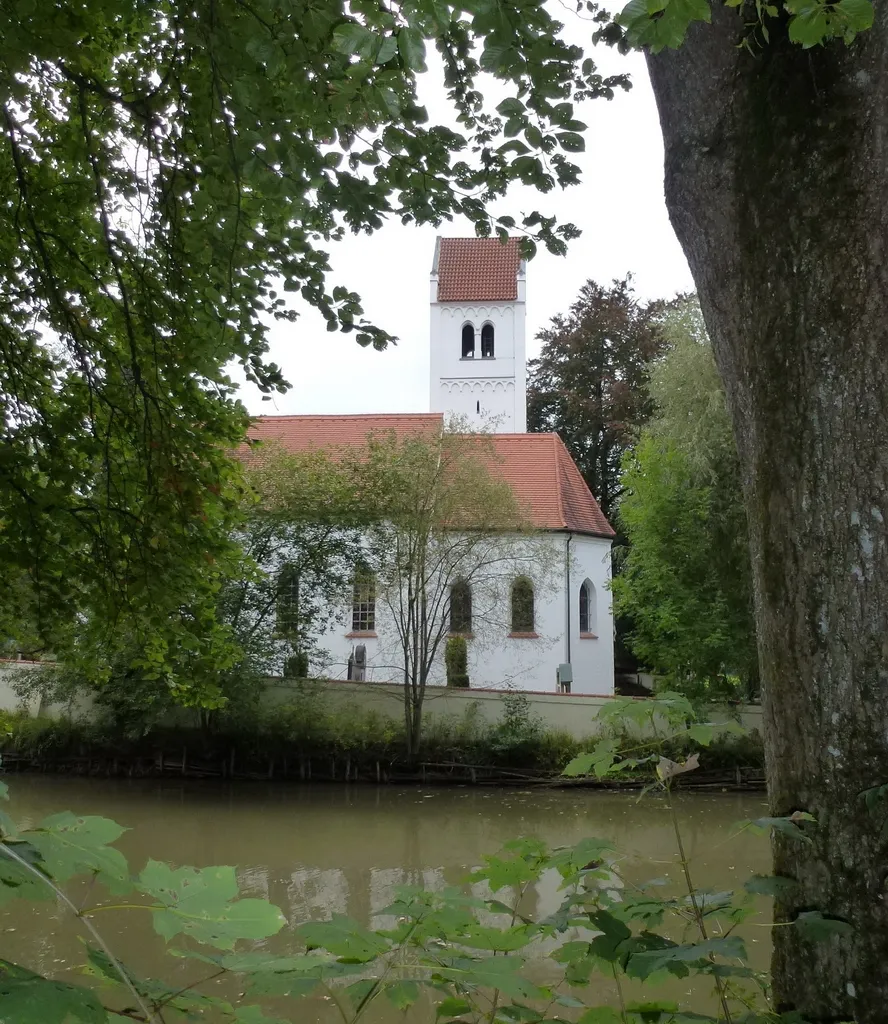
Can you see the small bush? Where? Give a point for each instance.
(456, 661)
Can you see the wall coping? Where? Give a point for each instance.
(465, 692)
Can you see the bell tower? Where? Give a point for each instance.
(478, 362)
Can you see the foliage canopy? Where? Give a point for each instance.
(589, 383)
(685, 579)
(167, 176)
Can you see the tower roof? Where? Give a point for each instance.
(477, 269)
(543, 476)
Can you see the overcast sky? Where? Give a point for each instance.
(619, 206)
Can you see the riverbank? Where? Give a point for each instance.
(314, 744)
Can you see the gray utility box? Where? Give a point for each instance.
(564, 677)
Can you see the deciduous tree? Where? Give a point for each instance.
(165, 175)
(589, 383)
(302, 538)
(448, 520)
(685, 580)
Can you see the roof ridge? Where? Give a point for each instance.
(347, 415)
(559, 488)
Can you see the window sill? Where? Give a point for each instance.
(467, 359)
(588, 636)
(360, 633)
(524, 636)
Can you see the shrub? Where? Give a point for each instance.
(456, 660)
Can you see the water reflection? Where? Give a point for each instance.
(318, 850)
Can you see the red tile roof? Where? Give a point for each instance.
(477, 269)
(543, 476)
(299, 433)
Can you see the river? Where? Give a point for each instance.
(317, 850)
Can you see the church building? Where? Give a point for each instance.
(478, 374)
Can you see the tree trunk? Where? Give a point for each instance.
(414, 694)
(777, 186)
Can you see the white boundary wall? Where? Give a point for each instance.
(575, 713)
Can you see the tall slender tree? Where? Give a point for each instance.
(450, 527)
(589, 383)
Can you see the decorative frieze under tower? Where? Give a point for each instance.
(478, 363)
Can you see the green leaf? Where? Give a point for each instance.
(495, 972)
(511, 107)
(788, 826)
(16, 881)
(255, 962)
(452, 1007)
(100, 965)
(350, 37)
(203, 903)
(810, 26)
(70, 845)
(815, 927)
(608, 945)
(402, 994)
(600, 760)
(571, 141)
(770, 885)
(8, 828)
(731, 947)
(663, 23)
(499, 940)
(587, 855)
(702, 734)
(859, 13)
(411, 46)
(361, 991)
(388, 47)
(28, 998)
(500, 872)
(344, 938)
(600, 1015)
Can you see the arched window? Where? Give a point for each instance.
(364, 603)
(287, 601)
(587, 607)
(468, 342)
(460, 607)
(522, 606)
(487, 341)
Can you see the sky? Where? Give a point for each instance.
(619, 207)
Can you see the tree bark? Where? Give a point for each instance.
(777, 186)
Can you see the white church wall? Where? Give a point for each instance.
(592, 655)
(497, 658)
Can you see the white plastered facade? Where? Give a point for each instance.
(486, 392)
(498, 659)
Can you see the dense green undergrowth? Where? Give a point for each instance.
(308, 729)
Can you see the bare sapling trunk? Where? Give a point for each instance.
(776, 182)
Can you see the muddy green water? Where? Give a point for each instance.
(317, 850)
